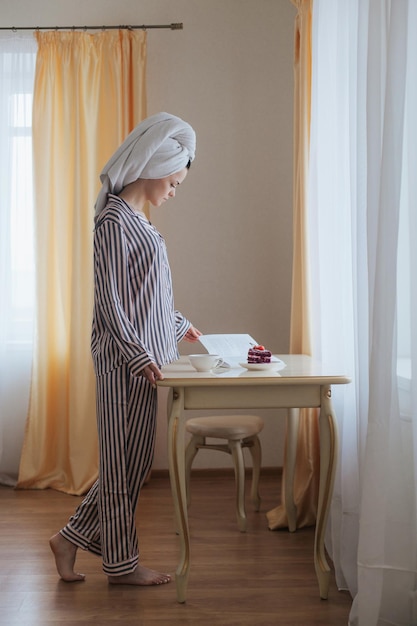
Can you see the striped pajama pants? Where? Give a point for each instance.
(104, 523)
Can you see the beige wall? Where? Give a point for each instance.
(229, 230)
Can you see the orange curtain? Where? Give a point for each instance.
(90, 91)
(306, 482)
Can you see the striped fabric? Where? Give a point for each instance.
(134, 320)
(134, 323)
(104, 523)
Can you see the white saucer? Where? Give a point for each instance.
(274, 366)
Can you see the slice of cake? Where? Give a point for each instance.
(258, 354)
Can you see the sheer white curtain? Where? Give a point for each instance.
(363, 243)
(17, 67)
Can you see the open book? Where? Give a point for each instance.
(233, 349)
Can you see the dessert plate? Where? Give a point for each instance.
(274, 366)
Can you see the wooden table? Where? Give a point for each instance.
(302, 383)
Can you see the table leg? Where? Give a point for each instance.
(328, 460)
(290, 462)
(176, 463)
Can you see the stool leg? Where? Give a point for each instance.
(239, 466)
(190, 454)
(256, 454)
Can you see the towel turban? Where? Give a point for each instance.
(161, 145)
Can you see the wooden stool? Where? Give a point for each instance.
(240, 431)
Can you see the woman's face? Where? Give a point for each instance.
(159, 190)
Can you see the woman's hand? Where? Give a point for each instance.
(152, 373)
(192, 334)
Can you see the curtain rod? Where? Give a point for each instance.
(175, 26)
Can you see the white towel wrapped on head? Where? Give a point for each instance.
(161, 145)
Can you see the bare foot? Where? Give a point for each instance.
(141, 576)
(65, 553)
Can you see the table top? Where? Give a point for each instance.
(299, 369)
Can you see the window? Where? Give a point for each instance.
(21, 218)
(17, 271)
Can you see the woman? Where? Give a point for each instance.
(135, 331)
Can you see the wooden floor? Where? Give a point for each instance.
(255, 578)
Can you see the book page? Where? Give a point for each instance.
(232, 348)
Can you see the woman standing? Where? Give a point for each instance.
(135, 331)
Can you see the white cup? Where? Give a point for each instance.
(205, 362)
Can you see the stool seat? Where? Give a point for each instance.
(232, 427)
(239, 431)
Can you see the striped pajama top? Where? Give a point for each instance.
(134, 320)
